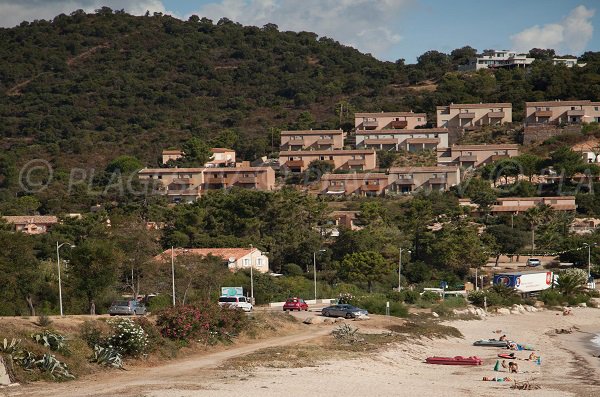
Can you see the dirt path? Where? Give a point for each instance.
(186, 373)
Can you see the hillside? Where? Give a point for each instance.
(83, 89)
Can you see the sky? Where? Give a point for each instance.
(388, 29)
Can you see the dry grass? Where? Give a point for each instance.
(425, 329)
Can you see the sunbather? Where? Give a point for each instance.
(513, 367)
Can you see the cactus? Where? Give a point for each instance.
(58, 370)
(55, 342)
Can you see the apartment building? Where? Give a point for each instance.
(171, 154)
(590, 150)
(312, 140)
(235, 258)
(562, 112)
(497, 59)
(515, 205)
(31, 224)
(473, 115)
(298, 161)
(568, 62)
(221, 157)
(408, 179)
(389, 121)
(409, 140)
(188, 184)
(369, 185)
(475, 155)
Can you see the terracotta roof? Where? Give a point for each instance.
(537, 198)
(586, 146)
(224, 253)
(513, 208)
(475, 106)
(312, 132)
(423, 140)
(402, 132)
(221, 150)
(170, 170)
(390, 114)
(354, 176)
(300, 153)
(25, 219)
(507, 146)
(559, 103)
(402, 170)
(172, 151)
(236, 170)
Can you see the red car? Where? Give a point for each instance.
(295, 304)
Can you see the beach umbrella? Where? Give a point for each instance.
(497, 366)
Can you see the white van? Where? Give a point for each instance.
(239, 302)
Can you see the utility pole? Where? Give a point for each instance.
(173, 273)
(251, 276)
(400, 270)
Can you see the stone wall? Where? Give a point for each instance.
(540, 133)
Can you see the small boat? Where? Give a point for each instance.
(491, 343)
(458, 360)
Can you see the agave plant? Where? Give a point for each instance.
(55, 342)
(107, 356)
(10, 348)
(58, 370)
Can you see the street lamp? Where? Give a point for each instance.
(315, 271)
(589, 247)
(58, 265)
(251, 276)
(400, 268)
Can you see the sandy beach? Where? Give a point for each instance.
(567, 368)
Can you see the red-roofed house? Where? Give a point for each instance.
(32, 224)
(236, 258)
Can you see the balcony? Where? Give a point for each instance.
(543, 113)
(576, 113)
(356, 162)
(182, 181)
(296, 142)
(496, 115)
(370, 124)
(371, 188)
(294, 163)
(467, 159)
(216, 180)
(437, 181)
(325, 141)
(404, 182)
(399, 124)
(246, 180)
(466, 115)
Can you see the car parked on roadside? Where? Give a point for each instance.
(295, 304)
(343, 310)
(533, 262)
(237, 302)
(127, 308)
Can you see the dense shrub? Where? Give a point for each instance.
(159, 302)
(128, 337)
(376, 304)
(94, 333)
(429, 296)
(499, 295)
(206, 322)
(551, 297)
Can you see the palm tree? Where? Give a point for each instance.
(536, 216)
(571, 282)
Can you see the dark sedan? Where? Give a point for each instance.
(343, 310)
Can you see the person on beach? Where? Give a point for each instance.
(504, 364)
(503, 338)
(513, 367)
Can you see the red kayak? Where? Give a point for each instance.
(458, 360)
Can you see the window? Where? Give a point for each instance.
(246, 262)
(596, 108)
(259, 262)
(330, 157)
(418, 119)
(322, 158)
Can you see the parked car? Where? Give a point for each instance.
(295, 304)
(127, 308)
(238, 302)
(343, 310)
(533, 262)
